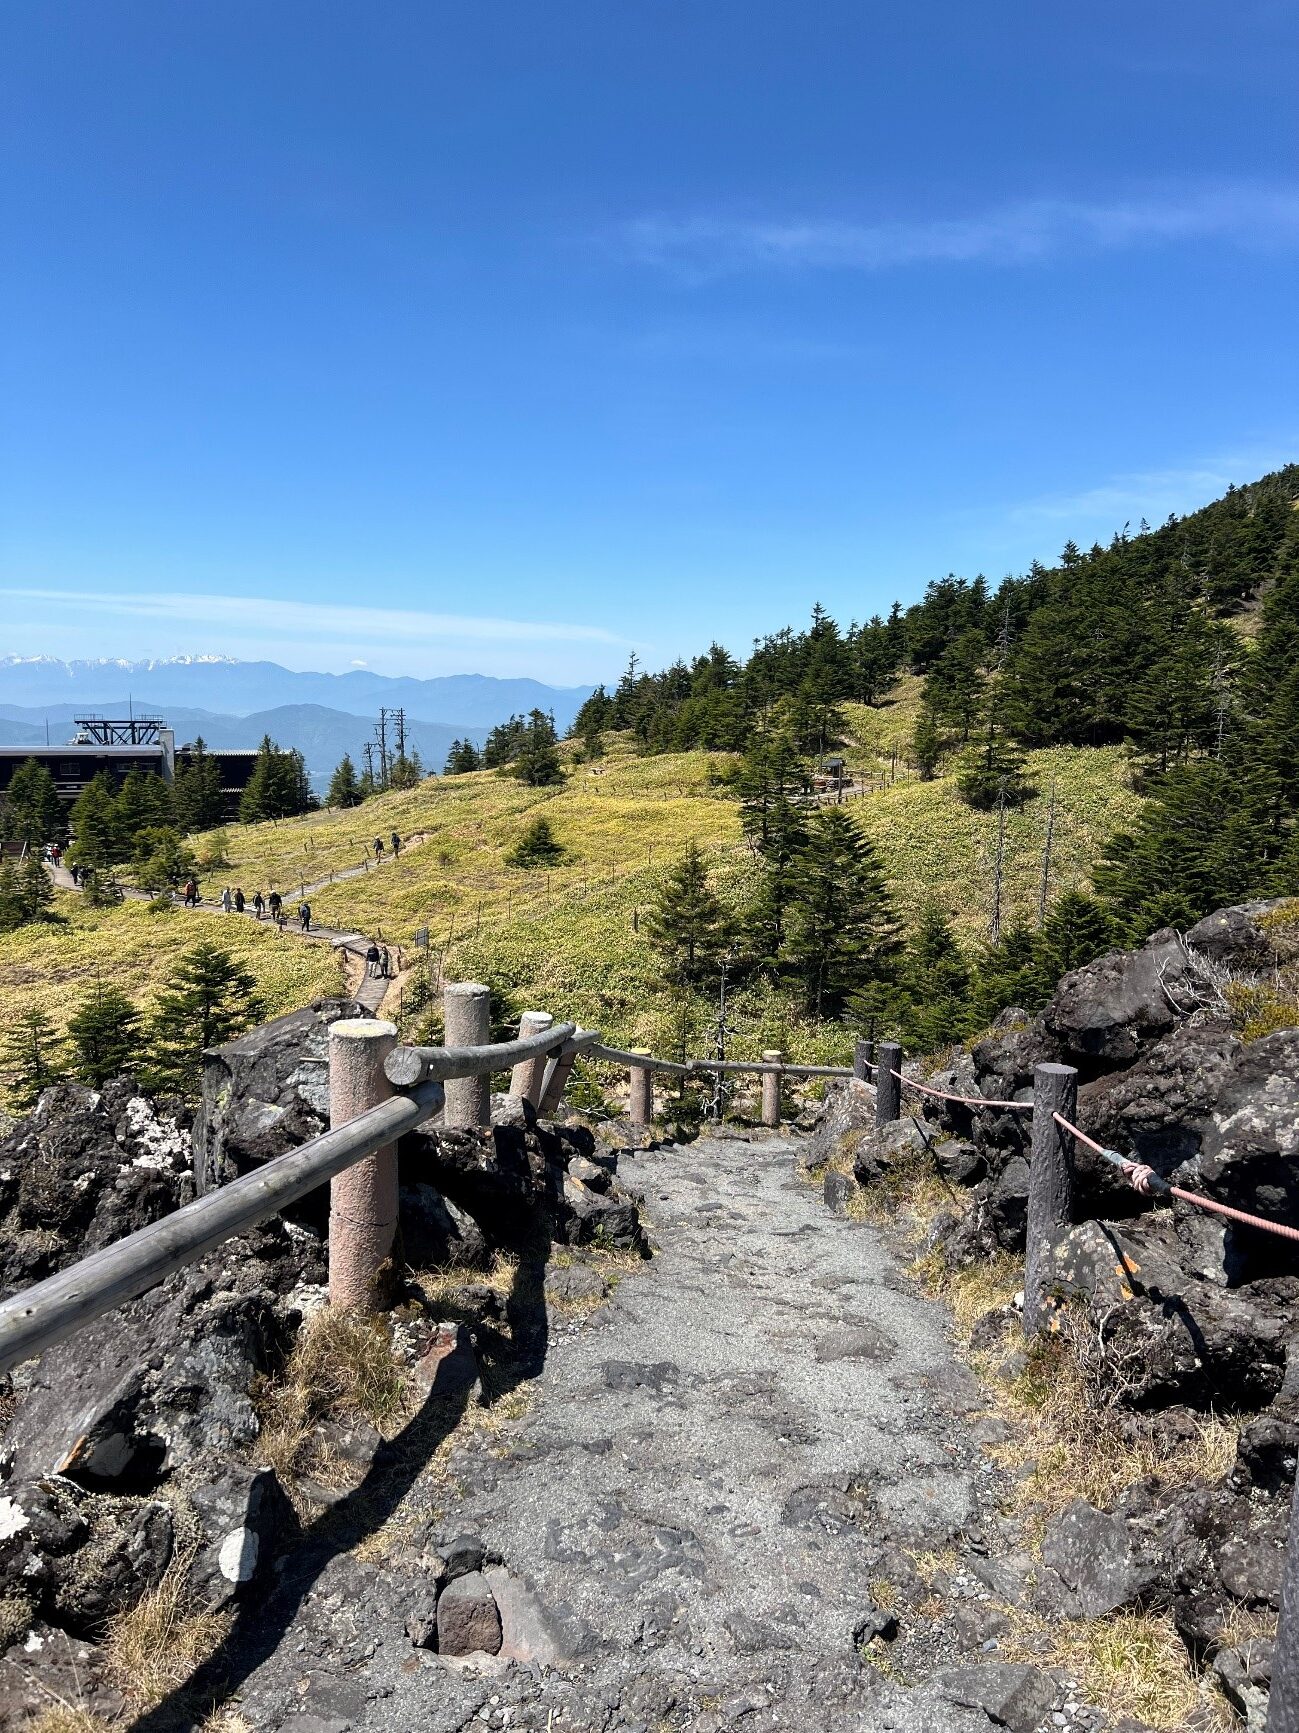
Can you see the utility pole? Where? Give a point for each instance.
(381, 735)
(1044, 890)
(399, 723)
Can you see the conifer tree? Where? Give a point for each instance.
(104, 1034)
(537, 847)
(926, 744)
(32, 811)
(94, 824)
(344, 787)
(537, 760)
(13, 905)
(1077, 930)
(933, 985)
(685, 921)
(196, 793)
(842, 930)
(30, 1058)
(1006, 975)
(464, 756)
(212, 999)
(35, 888)
(991, 772)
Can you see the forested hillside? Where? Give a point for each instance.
(908, 824)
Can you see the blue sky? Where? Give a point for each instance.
(505, 336)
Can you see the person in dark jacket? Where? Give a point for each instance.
(304, 916)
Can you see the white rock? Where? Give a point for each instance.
(13, 1518)
(237, 1558)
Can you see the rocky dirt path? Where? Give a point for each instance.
(715, 1467)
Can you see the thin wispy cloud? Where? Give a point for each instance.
(1018, 233)
(1151, 494)
(319, 621)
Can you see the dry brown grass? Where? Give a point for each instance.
(1128, 1664)
(909, 1195)
(64, 1718)
(154, 1647)
(342, 1368)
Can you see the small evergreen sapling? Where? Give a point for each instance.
(31, 1058)
(104, 1034)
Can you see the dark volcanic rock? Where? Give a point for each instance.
(80, 1557)
(849, 1106)
(468, 1619)
(1170, 1336)
(85, 1168)
(1241, 936)
(1249, 1154)
(1095, 1555)
(1156, 1110)
(265, 1093)
(1013, 1695)
(1106, 1013)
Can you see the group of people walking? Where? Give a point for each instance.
(234, 902)
(396, 846)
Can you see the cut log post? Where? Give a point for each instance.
(1050, 1183)
(1283, 1703)
(861, 1060)
(467, 1022)
(888, 1082)
(641, 1103)
(528, 1076)
(771, 1081)
(363, 1198)
(558, 1070)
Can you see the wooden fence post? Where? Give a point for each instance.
(363, 1198)
(771, 1081)
(861, 1060)
(1283, 1702)
(529, 1074)
(466, 1015)
(1050, 1182)
(558, 1068)
(888, 1086)
(641, 1103)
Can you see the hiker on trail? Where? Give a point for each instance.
(259, 905)
(396, 845)
(276, 901)
(56, 854)
(384, 969)
(191, 893)
(239, 900)
(372, 961)
(76, 873)
(378, 848)
(304, 916)
(227, 901)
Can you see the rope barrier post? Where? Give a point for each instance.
(861, 1060)
(466, 1017)
(1283, 1702)
(529, 1074)
(641, 1100)
(888, 1085)
(363, 1198)
(771, 1081)
(1050, 1182)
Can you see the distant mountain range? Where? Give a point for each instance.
(224, 686)
(233, 703)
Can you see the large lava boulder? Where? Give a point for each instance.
(849, 1107)
(1167, 1335)
(265, 1093)
(1254, 936)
